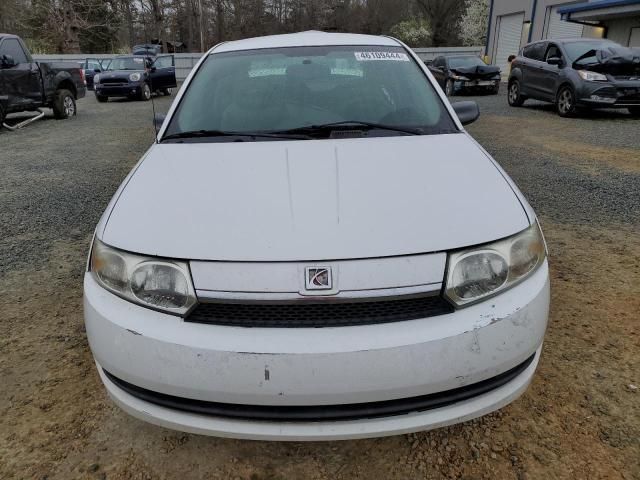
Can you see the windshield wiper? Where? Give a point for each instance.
(223, 133)
(349, 124)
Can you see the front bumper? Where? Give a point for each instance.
(476, 84)
(619, 94)
(322, 430)
(107, 90)
(314, 367)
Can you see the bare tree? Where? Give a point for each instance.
(115, 25)
(443, 17)
(60, 24)
(158, 20)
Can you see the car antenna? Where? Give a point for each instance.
(153, 105)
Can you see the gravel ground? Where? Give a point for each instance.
(579, 419)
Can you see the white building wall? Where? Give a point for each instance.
(619, 30)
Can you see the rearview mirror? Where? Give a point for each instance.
(554, 61)
(158, 120)
(7, 61)
(468, 111)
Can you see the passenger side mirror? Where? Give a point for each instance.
(97, 70)
(158, 120)
(7, 61)
(555, 61)
(468, 111)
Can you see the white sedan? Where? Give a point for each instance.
(315, 248)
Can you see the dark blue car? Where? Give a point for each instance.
(136, 77)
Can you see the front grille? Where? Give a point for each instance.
(114, 81)
(323, 413)
(633, 99)
(316, 314)
(486, 76)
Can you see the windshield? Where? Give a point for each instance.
(288, 88)
(465, 62)
(127, 63)
(575, 50)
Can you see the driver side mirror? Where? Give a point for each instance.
(7, 61)
(555, 61)
(468, 111)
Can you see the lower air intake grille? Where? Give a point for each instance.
(317, 314)
(323, 413)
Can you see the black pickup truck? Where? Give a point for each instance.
(26, 85)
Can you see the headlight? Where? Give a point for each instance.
(481, 272)
(96, 78)
(592, 76)
(461, 78)
(134, 77)
(157, 283)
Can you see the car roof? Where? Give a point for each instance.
(571, 40)
(303, 39)
(585, 40)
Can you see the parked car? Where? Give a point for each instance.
(26, 85)
(136, 77)
(465, 73)
(91, 66)
(577, 73)
(147, 49)
(280, 264)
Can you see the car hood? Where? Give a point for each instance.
(313, 200)
(477, 72)
(615, 60)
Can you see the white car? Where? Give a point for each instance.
(313, 249)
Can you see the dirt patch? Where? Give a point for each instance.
(579, 419)
(563, 140)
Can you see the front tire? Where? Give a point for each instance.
(634, 111)
(145, 92)
(448, 88)
(515, 97)
(64, 104)
(2, 116)
(102, 98)
(495, 90)
(566, 102)
(166, 92)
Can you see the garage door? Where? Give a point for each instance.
(634, 40)
(509, 35)
(558, 28)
